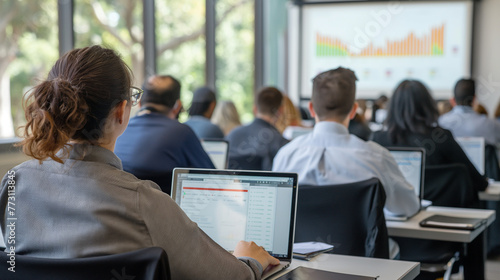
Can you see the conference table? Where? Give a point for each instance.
(384, 269)
(476, 255)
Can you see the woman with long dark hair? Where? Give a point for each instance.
(74, 200)
(412, 122)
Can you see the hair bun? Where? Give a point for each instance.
(56, 113)
(68, 106)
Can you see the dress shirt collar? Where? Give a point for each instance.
(330, 127)
(86, 152)
(462, 109)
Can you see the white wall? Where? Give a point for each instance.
(486, 53)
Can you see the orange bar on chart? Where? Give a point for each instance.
(430, 43)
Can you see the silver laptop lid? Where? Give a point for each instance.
(217, 150)
(234, 205)
(474, 148)
(411, 162)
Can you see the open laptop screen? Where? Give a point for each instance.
(217, 150)
(411, 163)
(474, 149)
(230, 206)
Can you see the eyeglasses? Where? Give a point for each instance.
(135, 95)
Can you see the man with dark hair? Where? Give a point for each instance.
(463, 121)
(154, 142)
(202, 108)
(330, 155)
(253, 146)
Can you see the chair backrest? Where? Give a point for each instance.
(147, 264)
(349, 216)
(164, 180)
(491, 166)
(449, 185)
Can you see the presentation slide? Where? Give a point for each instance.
(387, 42)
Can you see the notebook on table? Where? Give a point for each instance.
(450, 222)
(234, 205)
(217, 150)
(411, 162)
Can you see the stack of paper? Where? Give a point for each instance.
(307, 250)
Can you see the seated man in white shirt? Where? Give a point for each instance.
(463, 121)
(330, 155)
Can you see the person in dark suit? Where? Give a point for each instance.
(154, 142)
(412, 122)
(253, 146)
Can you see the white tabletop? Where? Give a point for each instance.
(492, 192)
(411, 227)
(385, 269)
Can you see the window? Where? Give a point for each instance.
(28, 48)
(115, 24)
(235, 54)
(180, 40)
(275, 43)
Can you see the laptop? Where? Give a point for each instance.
(217, 150)
(474, 148)
(411, 162)
(234, 205)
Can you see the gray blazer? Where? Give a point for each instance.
(89, 206)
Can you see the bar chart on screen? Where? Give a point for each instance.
(431, 44)
(384, 44)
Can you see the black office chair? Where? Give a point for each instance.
(445, 185)
(491, 167)
(349, 216)
(163, 179)
(145, 264)
(450, 185)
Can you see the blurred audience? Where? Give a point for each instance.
(291, 115)
(379, 111)
(462, 121)
(290, 122)
(412, 121)
(358, 125)
(330, 155)
(444, 106)
(226, 116)
(478, 108)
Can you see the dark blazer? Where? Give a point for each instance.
(253, 146)
(153, 145)
(440, 148)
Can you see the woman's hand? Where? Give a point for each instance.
(252, 250)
